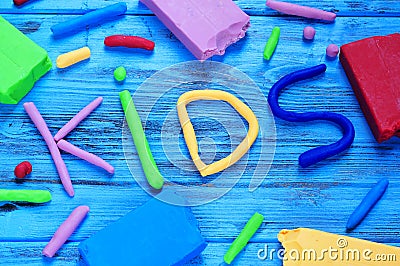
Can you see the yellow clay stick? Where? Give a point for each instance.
(73, 57)
(190, 136)
(310, 247)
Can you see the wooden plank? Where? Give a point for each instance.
(69, 255)
(285, 205)
(256, 7)
(321, 197)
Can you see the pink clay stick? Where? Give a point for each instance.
(87, 156)
(40, 124)
(68, 127)
(65, 230)
(301, 11)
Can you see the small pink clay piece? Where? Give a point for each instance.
(332, 50)
(309, 33)
(65, 230)
(77, 119)
(87, 156)
(41, 125)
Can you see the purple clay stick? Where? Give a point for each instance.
(68, 127)
(40, 124)
(65, 230)
(87, 156)
(301, 11)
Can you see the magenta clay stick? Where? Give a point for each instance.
(65, 230)
(301, 11)
(87, 156)
(40, 124)
(77, 119)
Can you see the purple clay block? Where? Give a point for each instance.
(78, 118)
(65, 230)
(332, 50)
(40, 124)
(309, 33)
(87, 156)
(205, 27)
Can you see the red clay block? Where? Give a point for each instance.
(373, 69)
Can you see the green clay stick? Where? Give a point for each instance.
(33, 196)
(272, 42)
(149, 166)
(241, 241)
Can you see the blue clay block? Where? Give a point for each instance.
(320, 153)
(370, 200)
(156, 234)
(92, 18)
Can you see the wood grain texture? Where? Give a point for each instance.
(254, 7)
(320, 197)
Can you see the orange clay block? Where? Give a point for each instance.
(310, 247)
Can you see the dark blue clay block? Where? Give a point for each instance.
(156, 234)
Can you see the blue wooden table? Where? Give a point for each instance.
(321, 196)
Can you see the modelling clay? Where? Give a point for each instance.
(332, 50)
(93, 18)
(20, 2)
(65, 230)
(373, 196)
(244, 237)
(301, 11)
(272, 42)
(89, 157)
(309, 33)
(23, 169)
(206, 27)
(311, 247)
(40, 124)
(120, 74)
(73, 57)
(155, 227)
(129, 42)
(374, 81)
(190, 136)
(22, 63)
(317, 154)
(33, 196)
(149, 166)
(74, 122)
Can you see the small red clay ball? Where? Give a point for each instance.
(23, 169)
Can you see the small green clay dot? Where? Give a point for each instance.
(120, 73)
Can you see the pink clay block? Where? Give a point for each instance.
(41, 125)
(65, 230)
(77, 119)
(205, 27)
(301, 11)
(87, 156)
